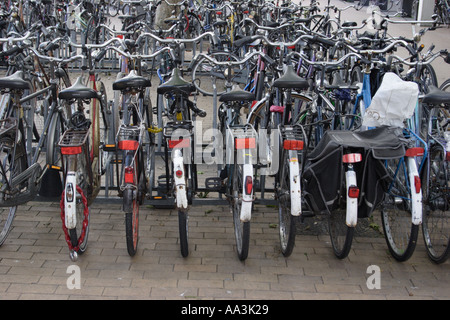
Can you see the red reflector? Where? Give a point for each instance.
(414, 152)
(219, 12)
(183, 143)
(129, 175)
(179, 173)
(248, 185)
(245, 143)
(71, 150)
(417, 183)
(352, 158)
(293, 145)
(447, 156)
(128, 145)
(120, 36)
(253, 103)
(353, 192)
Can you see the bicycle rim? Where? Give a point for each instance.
(74, 234)
(132, 225)
(183, 229)
(241, 228)
(436, 219)
(10, 169)
(341, 235)
(286, 220)
(400, 233)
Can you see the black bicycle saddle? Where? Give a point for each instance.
(14, 81)
(176, 84)
(436, 96)
(78, 91)
(131, 81)
(290, 80)
(237, 94)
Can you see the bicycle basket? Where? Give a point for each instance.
(73, 141)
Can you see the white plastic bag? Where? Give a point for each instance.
(394, 101)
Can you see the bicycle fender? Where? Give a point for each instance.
(416, 197)
(247, 199)
(179, 180)
(294, 172)
(351, 216)
(70, 201)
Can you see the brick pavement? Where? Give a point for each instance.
(34, 261)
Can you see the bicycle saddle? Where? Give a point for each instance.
(237, 94)
(176, 84)
(349, 24)
(78, 91)
(290, 80)
(338, 83)
(436, 96)
(385, 142)
(14, 81)
(131, 81)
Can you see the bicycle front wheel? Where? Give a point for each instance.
(396, 213)
(131, 202)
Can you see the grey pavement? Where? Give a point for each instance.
(34, 260)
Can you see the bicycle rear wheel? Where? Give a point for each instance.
(241, 228)
(78, 236)
(11, 169)
(436, 219)
(396, 213)
(341, 235)
(286, 220)
(131, 203)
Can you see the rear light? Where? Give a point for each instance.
(417, 183)
(248, 185)
(352, 158)
(414, 152)
(245, 143)
(128, 145)
(293, 145)
(447, 156)
(183, 143)
(129, 175)
(353, 192)
(178, 173)
(71, 150)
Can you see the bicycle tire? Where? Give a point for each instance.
(74, 235)
(131, 208)
(400, 233)
(287, 222)
(436, 222)
(183, 231)
(132, 224)
(241, 228)
(7, 214)
(341, 235)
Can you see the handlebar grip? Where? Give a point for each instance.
(447, 58)
(9, 52)
(100, 55)
(323, 41)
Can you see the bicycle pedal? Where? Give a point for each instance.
(110, 148)
(214, 184)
